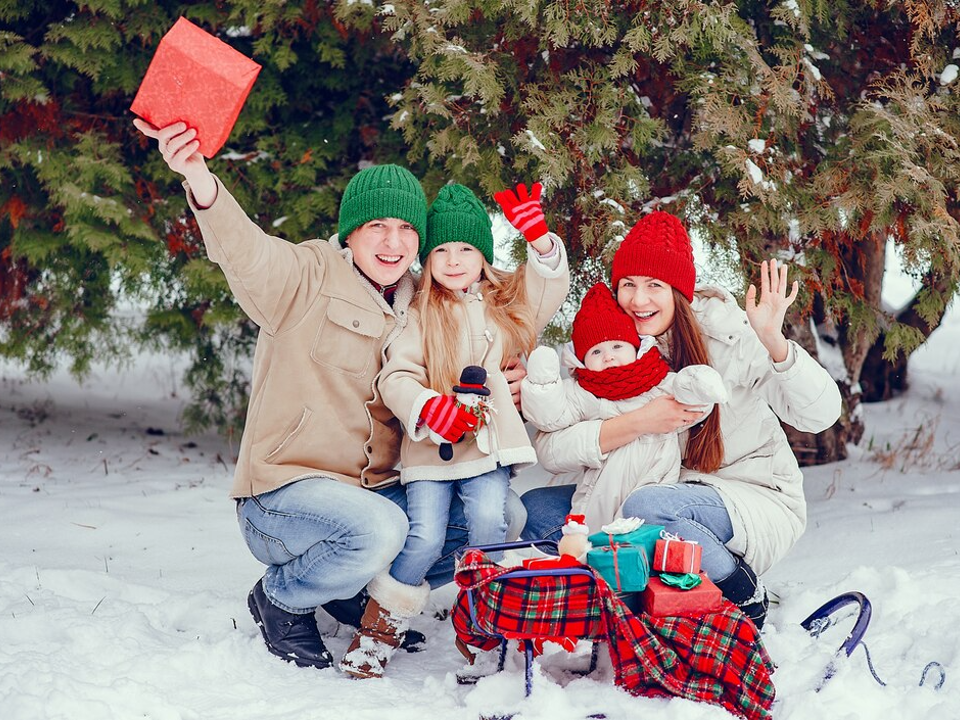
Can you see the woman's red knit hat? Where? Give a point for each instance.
(600, 319)
(657, 246)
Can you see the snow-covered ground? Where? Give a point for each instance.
(123, 577)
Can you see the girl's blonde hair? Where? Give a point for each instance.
(705, 444)
(441, 321)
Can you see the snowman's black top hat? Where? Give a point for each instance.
(473, 380)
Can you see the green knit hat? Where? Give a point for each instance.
(457, 216)
(382, 191)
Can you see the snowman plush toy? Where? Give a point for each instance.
(472, 395)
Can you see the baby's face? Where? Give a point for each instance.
(609, 353)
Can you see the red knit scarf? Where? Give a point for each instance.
(626, 381)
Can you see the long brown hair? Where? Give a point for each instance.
(505, 298)
(705, 443)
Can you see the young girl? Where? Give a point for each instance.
(614, 371)
(740, 493)
(466, 313)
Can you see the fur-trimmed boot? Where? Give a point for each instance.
(350, 612)
(745, 590)
(382, 627)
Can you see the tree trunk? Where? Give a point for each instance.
(881, 379)
(864, 261)
(863, 265)
(831, 444)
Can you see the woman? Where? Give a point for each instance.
(741, 489)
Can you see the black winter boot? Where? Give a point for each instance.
(745, 590)
(350, 611)
(289, 636)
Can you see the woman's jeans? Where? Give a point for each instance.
(484, 499)
(691, 510)
(324, 540)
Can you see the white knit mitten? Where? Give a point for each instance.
(543, 366)
(699, 385)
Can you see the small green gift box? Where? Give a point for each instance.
(645, 536)
(626, 568)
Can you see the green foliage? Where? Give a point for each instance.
(791, 128)
(795, 128)
(92, 220)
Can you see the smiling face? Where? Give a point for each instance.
(648, 301)
(609, 353)
(384, 249)
(455, 265)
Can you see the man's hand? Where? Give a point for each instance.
(514, 372)
(447, 419)
(179, 147)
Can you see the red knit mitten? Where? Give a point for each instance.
(523, 210)
(447, 419)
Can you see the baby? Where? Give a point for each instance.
(614, 371)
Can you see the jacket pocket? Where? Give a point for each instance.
(347, 339)
(290, 435)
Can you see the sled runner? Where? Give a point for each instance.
(819, 618)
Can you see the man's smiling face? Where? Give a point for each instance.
(384, 249)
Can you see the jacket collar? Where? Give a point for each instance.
(719, 314)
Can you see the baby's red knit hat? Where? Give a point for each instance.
(600, 319)
(657, 246)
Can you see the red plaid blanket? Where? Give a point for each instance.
(716, 658)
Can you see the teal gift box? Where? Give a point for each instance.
(626, 568)
(645, 536)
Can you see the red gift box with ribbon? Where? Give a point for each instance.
(197, 79)
(660, 599)
(673, 554)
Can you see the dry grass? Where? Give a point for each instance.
(916, 450)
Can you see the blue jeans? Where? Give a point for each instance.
(324, 540)
(694, 512)
(429, 502)
(690, 510)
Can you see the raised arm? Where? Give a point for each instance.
(273, 280)
(798, 389)
(179, 147)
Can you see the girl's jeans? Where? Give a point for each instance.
(324, 540)
(690, 510)
(484, 499)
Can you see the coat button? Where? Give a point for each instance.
(356, 323)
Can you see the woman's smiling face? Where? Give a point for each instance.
(648, 301)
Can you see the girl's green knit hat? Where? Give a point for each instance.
(457, 216)
(382, 191)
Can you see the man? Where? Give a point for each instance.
(318, 501)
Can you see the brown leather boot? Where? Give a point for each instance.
(385, 621)
(374, 643)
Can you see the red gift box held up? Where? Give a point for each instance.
(676, 555)
(660, 599)
(197, 79)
